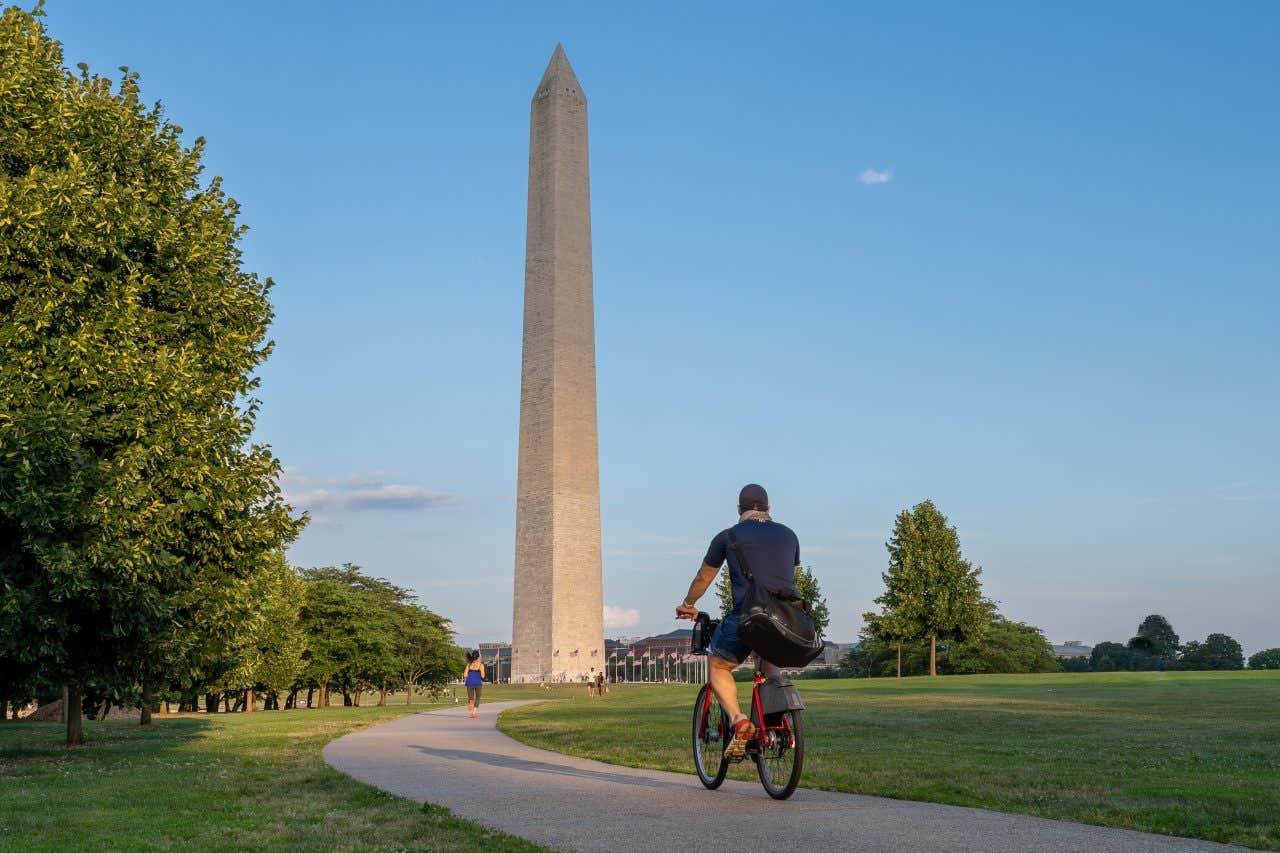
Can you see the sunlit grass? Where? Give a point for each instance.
(212, 781)
(1193, 754)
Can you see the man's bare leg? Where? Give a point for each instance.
(723, 685)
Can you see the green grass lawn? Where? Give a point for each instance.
(1192, 754)
(204, 782)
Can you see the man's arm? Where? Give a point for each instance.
(701, 581)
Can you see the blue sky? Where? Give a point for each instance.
(1022, 261)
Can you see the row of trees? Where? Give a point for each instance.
(141, 529)
(1155, 646)
(367, 633)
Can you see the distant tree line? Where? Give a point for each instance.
(933, 619)
(142, 530)
(1156, 646)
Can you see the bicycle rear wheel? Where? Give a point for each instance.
(781, 755)
(710, 728)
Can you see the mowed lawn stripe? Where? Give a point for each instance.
(1195, 754)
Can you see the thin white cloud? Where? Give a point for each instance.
(359, 493)
(875, 176)
(620, 617)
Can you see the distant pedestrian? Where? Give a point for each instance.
(473, 677)
(600, 683)
(591, 682)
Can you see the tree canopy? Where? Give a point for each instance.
(1004, 646)
(1267, 658)
(931, 590)
(1156, 643)
(1218, 651)
(129, 338)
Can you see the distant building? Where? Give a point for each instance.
(496, 658)
(1073, 649)
(673, 642)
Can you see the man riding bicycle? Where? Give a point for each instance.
(775, 553)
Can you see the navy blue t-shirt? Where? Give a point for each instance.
(772, 550)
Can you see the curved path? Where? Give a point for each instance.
(574, 804)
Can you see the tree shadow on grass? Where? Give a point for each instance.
(26, 745)
(510, 762)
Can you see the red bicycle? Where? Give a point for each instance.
(777, 746)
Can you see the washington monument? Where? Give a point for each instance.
(558, 622)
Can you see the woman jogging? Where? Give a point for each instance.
(473, 677)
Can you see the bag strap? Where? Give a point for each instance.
(742, 556)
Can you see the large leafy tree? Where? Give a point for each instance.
(1218, 651)
(810, 593)
(352, 629)
(1112, 657)
(1265, 659)
(264, 653)
(1006, 646)
(425, 652)
(931, 590)
(129, 336)
(1155, 645)
(891, 627)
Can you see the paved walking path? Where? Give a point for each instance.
(574, 804)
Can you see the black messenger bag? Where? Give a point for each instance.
(774, 624)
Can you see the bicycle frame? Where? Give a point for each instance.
(766, 735)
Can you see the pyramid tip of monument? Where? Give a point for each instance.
(559, 70)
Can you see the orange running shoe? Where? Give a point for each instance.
(743, 731)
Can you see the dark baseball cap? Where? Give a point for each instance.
(753, 496)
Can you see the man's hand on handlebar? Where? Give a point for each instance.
(686, 611)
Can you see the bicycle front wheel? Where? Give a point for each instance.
(710, 728)
(781, 755)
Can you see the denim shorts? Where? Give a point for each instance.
(725, 643)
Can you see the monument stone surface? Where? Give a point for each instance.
(558, 622)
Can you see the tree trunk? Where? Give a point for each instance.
(408, 687)
(103, 709)
(324, 694)
(355, 696)
(933, 654)
(211, 701)
(309, 691)
(291, 702)
(4, 707)
(166, 707)
(145, 717)
(346, 697)
(248, 701)
(66, 704)
(899, 658)
(73, 706)
(382, 699)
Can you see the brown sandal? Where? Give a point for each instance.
(743, 731)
